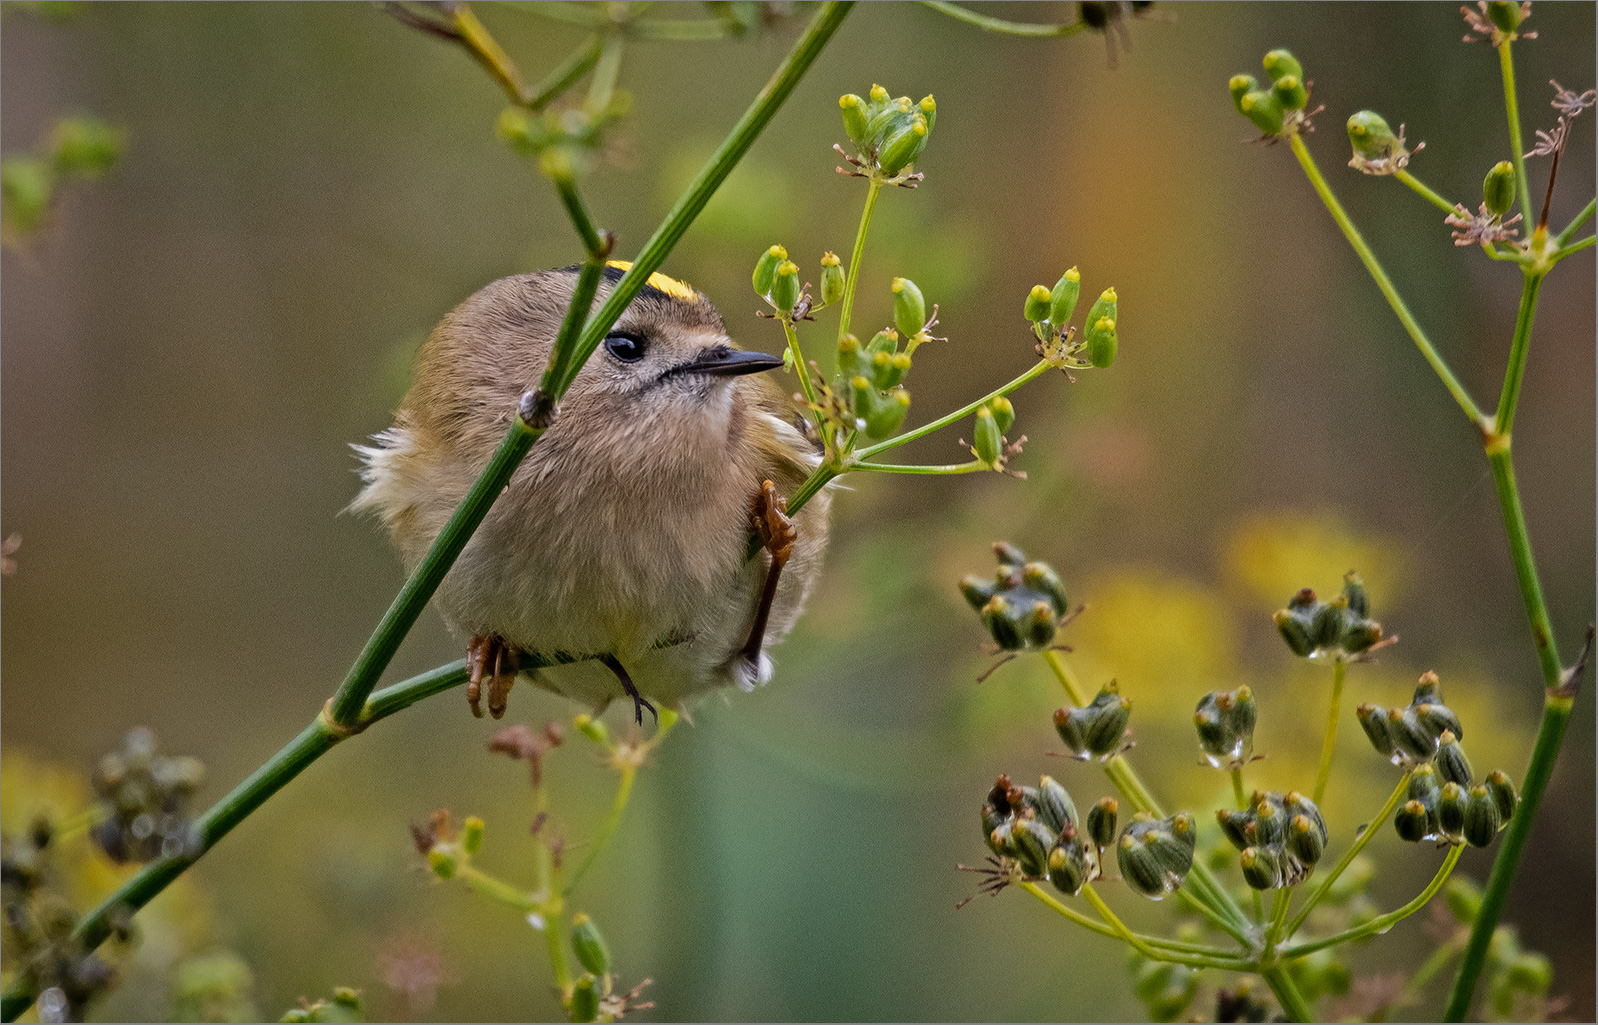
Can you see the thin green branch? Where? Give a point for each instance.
(1425, 191)
(602, 87)
(1294, 1006)
(1574, 247)
(1381, 923)
(960, 414)
(947, 468)
(1009, 28)
(846, 304)
(693, 30)
(1563, 238)
(480, 43)
(1329, 741)
(806, 385)
(618, 806)
(1519, 349)
(1350, 854)
(1138, 944)
(560, 10)
(1383, 282)
(565, 74)
(1506, 65)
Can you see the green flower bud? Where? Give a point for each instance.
(878, 94)
(27, 184)
(1264, 109)
(1215, 740)
(591, 728)
(589, 945)
(585, 1001)
(472, 834)
(1037, 304)
(1101, 821)
(1502, 789)
(1106, 305)
(442, 862)
(1295, 631)
(1359, 635)
(1040, 576)
(1373, 720)
(1234, 825)
(1004, 416)
(785, 287)
(1412, 821)
(1498, 188)
(1481, 818)
(996, 617)
(889, 415)
(854, 117)
(863, 397)
(1260, 868)
(1139, 866)
(1354, 590)
(1173, 843)
(1068, 867)
(909, 308)
(977, 590)
(1241, 86)
(851, 361)
(1304, 840)
(1071, 725)
(1296, 804)
(766, 269)
(903, 145)
(1423, 786)
(1463, 898)
(1371, 136)
(1040, 625)
(1032, 840)
(1280, 63)
(1290, 93)
(831, 278)
(1505, 14)
(999, 839)
(1102, 342)
(883, 341)
(1008, 554)
(1452, 765)
(884, 374)
(1531, 972)
(1062, 300)
(1427, 692)
(988, 442)
(1451, 810)
(1055, 806)
(929, 109)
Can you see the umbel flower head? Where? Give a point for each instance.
(1098, 730)
(1340, 629)
(1376, 149)
(1037, 833)
(1225, 722)
(1281, 837)
(1155, 855)
(888, 134)
(1022, 605)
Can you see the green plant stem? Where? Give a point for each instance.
(721, 163)
(1430, 967)
(1009, 28)
(480, 43)
(1201, 888)
(1563, 238)
(1349, 855)
(846, 304)
(1294, 1006)
(1506, 64)
(1519, 347)
(606, 70)
(960, 414)
(1329, 742)
(1137, 943)
(618, 807)
(1575, 247)
(1280, 899)
(561, 11)
(593, 241)
(1381, 923)
(1424, 190)
(806, 385)
(582, 301)
(565, 74)
(971, 467)
(1383, 282)
(818, 479)
(496, 888)
(1050, 901)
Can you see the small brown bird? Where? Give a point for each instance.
(620, 547)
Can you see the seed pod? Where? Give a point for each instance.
(1008, 554)
(863, 397)
(1354, 591)
(1280, 63)
(1504, 14)
(1360, 635)
(1451, 810)
(1427, 691)
(585, 1001)
(1412, 821)
(996, 617)
(442, 862)
(1498, 188)
(1502, 790)
(903, 145)
(1068, 867)
(929, 108)
(884, 119)
(1240, 711)
(883, 373)
(1234, 825)
(1215, 740)
(992, 819)
(831, 278)
(1437, 718)
(977, 590)
(851, 361)
(1175, 841)
(592, 728)
(1101, 821)
(999, 838)
(1139, 866)
(854, 117)
(1062, 300)
(472, 834)
(1304, 840)
(1296, 805)
(1241, 86)
(1106, 305)
(1032, 841)
(1290, 93)
(1037, 304)
(1264, 109)
(1070, 724)
(1481, 818)
(1294, 622)
(1107, 719)
(589, 946)
(785, 286)
(988, 442)
(1102, 343)
(878, 94)
(909, 308)
(1452, 765)
(766, 269)
(1004, 416)
(1413, 739)
(1326, 624)
(886, 341)
(1371, 136)
(1373, 720)
(1055, 807)
(1423, 786)
(1260, 869)
(1041, 625)
(1270, 824)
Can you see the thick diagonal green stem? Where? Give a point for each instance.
(1294, 1006)
(1383, 282)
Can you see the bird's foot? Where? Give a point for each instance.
(492, 658)
(777, 535)
(639, 701)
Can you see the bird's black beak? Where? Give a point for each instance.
(725, 361)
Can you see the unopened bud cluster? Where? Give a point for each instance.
(565, 142)
(1050, 310)
(1038, 828)
(143, 800)
(1336, 629)
(1276, 109)
(1097, 731)
(1225, 722)
(888, 133)
(1443, 802)
(1155, 855)
(1022, 604)
(1281, 837)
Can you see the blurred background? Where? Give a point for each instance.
(192, 342)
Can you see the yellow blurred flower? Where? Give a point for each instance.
(1274, 555)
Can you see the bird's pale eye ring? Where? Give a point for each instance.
(626, 348)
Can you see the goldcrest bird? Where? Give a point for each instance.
(618, 556)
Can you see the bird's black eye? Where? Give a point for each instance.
(626, 348)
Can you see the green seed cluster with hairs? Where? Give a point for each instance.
(1039, 829)
(1155, 855)
(1338, 628)
(1022, 604)
(1225, 722)
(1280, 837)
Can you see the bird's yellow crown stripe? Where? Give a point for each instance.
(671, 286)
